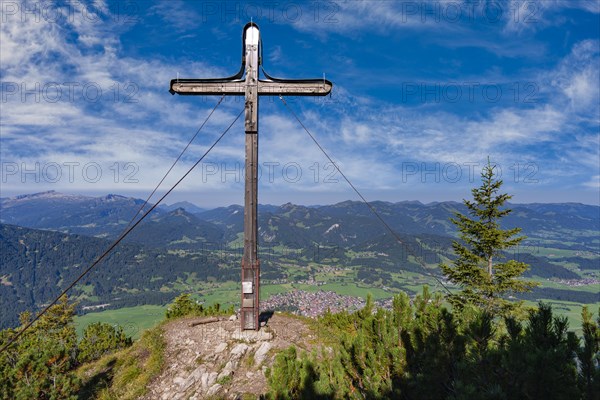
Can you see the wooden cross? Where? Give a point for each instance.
(251, 87)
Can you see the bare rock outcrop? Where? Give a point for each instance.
(216, 359)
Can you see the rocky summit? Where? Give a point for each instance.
(216, 359)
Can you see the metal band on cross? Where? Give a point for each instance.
(251, 87)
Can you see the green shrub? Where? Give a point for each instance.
(100, 339)
(184, 305)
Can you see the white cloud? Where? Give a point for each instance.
(594, 182)
(577, 77)
(524, 16)
(177, 14)
(275, 55)
(450, 23)
(354, 18)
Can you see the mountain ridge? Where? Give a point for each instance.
(107, 216)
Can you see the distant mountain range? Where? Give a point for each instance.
(46, 238)
(348, 223)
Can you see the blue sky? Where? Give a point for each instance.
(424, 92)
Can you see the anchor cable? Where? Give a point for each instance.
(175, 162)
(373, 210)
(117, 241)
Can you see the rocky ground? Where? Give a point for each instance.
(217, 360)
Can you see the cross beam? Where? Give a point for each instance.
(251, 87)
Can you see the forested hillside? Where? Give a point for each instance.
(35, 265)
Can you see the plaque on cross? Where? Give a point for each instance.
(251, 87)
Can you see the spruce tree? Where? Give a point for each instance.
(589, 356)
(479, 269)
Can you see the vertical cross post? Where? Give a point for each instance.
(251, 87)
(250, 310)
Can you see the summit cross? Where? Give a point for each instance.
(251, 87)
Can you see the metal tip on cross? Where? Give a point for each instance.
(247, 83)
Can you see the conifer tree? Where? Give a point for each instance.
(539, 361)
(589, 356)
(483, 279)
